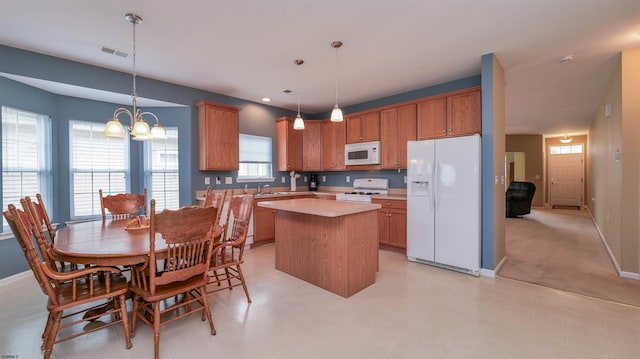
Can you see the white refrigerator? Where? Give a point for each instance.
(444, 203)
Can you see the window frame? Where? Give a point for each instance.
(149, 171)
(44, 167)
(254, 179)
(94, 192)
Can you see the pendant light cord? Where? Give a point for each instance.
(336, 76)
(134, 95)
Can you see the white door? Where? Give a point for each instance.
(565, 179)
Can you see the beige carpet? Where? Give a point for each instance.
(560, 248)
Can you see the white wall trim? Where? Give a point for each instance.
(492, 273)
(14, 278)
(621, 273)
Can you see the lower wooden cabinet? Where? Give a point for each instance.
(392, 222)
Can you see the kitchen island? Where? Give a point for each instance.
(331, 244)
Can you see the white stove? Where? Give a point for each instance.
(364, 189)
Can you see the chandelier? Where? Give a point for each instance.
(139, 128)
(566, 139)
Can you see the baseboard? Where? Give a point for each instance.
(489, 273)
(14, 278)
(492, 273)
(630, 275)
(621, 273)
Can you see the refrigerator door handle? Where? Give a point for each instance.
(434, 195)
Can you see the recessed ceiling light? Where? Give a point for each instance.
(266, 99)
(566, 59)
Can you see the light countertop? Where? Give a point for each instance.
(320, 207)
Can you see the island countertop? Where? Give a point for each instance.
(320, 207)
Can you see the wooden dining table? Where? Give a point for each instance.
(106, 243)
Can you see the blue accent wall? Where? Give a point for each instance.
(487, 161)
(255, 118)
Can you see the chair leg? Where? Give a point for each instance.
(125, 320)
(51, 337)
(47, 330)
(156, 329)
(207, 309)
(244, 284)
(134, 315)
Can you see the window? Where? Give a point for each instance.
(563, 150)
(161, 164)
(26, 157)
(97, 162)
(255, 159)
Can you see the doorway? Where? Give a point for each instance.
(566, 175)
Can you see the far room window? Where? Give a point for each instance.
(26, 158)
(97, 162)
(255, 159)
(162, 164)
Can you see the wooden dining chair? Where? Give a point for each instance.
(38, 220)
(225, 271)
(215, 199)
(189, 235)
(78, 291)
(123, 205)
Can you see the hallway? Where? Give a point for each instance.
(561, 249)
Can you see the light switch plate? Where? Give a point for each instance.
(496, 181)
(282, 179)
(348, 179)
(305, 179)
(207, 180)
(324, 178)
(405, 179)
(228, 180)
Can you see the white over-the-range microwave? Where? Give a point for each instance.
(363, 153)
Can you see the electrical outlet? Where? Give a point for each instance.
(217, 179)
(283, 180)
(324, 178)
(228, 180)
(405, 179)
(305, 179)
(348, 179)
(207, 180)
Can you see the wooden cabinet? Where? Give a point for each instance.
(289, 145)
(363, 127)
(457, 114)
(312, 146)
(463, 114)
(397, 126)
(218, 136)
(392, 222)
(333, 141)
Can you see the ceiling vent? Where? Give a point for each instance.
(114, 52)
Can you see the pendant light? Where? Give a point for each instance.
(139, 128)
(336, 114)
(298, 123)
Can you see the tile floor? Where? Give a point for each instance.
(412, 311)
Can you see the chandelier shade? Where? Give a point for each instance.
(139, 128)
(566, 139)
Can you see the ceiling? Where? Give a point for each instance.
(246, 48)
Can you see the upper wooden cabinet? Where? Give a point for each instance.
(363, 127)
(218, 136)
(333, 141)
(289, 145)
(312, 146)
(456, 114)
(397, 126)
(463, 113)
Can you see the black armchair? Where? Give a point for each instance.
(519, 196)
